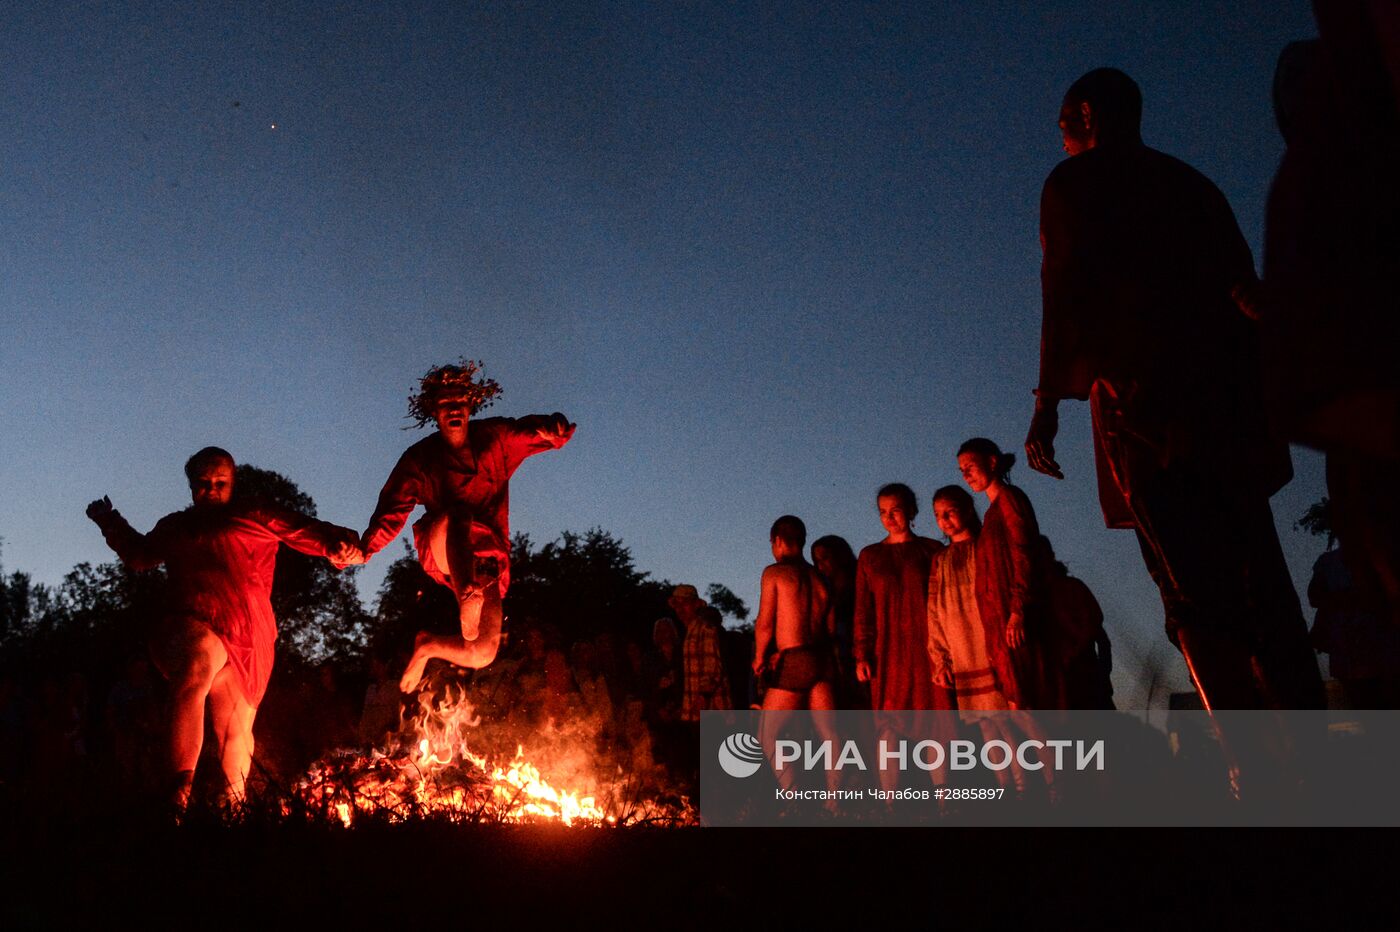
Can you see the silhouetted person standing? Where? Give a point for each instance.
(1079, 645)
(1332, 267)
(1149, 292)
(834, 559)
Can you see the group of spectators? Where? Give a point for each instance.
(988, 620)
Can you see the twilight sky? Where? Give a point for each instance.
(768, 256)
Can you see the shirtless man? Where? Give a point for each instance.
(794, 614)
(461, 475)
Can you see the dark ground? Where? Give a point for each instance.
(67, 868)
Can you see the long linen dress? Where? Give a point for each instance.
(891, 624)
(957, 640)
(1009, 581)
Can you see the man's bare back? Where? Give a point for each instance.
(800, 603)
(794, 615)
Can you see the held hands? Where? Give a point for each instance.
(349, 553)
(558, 430)
(943, 677)
(1015, 631)
(1040, 440)
(100, 509)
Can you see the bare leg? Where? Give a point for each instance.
(992, 731)
(889, 776)
(455, 649)
(779, 704)
(821, 699)
(1028, 726)
(190, 656)
(233, 732)
(461, 562)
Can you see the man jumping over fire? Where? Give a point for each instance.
(216, 642)
(462, 478)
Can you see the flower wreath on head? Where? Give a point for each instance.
(441, 381)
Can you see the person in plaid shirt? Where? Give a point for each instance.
(706, 685)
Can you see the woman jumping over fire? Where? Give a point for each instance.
(461, 477)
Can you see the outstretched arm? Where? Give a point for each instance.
(138, 551)
(315, 538)
(398, 498)
(536, 433)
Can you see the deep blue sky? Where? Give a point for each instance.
(768, 257)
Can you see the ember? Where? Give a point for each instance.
(447, 762)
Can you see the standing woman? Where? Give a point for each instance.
(1009, 578)
(957, 639)
(891, 611)
(836, 561)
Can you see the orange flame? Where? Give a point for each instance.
(430, 769)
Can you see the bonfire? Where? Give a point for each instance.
(449, 761)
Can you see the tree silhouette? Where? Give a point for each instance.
(585, 584)
(97, 614)
(1316, 520)
(15, 593)
(724, 599)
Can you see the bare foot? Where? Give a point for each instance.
(469, 613)
(413, 673)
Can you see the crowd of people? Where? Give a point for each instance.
(986, 619)
(1197, 374)
(903, 631)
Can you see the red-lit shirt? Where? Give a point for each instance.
(475, 479)
(220, 561)
(1010, 581)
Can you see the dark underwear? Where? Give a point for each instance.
(800, 668)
